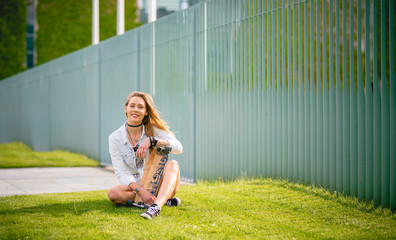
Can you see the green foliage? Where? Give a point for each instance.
(242, 209)
(63, 27)
(18, 155)
(12, 37)
(66, 26)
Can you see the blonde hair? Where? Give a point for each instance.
(153, 119)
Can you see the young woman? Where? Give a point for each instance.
(129, 148)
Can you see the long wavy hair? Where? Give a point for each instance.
(153, 119)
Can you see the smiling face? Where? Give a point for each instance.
(135, 110)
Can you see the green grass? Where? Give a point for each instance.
(241, 209)
(18, 155)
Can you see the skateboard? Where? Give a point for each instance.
(152, 174)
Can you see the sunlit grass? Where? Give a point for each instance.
(18, 155)
(241, 209)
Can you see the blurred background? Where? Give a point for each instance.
(37, 31)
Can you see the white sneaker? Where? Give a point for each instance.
(152, 211)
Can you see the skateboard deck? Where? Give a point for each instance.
(152, 174)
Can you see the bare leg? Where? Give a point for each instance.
(120, 194)
(170, 183)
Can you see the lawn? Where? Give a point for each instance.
(19, 155)
(240, 209)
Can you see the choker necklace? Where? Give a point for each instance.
(134, 125)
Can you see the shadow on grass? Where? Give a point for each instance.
(77, 208)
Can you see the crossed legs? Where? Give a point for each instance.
(120, 194)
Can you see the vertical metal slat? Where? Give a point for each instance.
(385, 125)
(392, 104)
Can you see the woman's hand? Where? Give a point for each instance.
(146, 196)
(142, 151)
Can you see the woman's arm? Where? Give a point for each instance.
(146, 196)
(166, 139)
(118, 163)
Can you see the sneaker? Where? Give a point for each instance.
(152, 211)
(173, 202)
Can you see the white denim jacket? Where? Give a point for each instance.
(123, 156)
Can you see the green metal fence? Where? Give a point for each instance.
(299, 90)
(281, 92)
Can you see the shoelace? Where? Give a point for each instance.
(152, 211)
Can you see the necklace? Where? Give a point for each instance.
(134, 140)
(129, 125)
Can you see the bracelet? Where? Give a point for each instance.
(136, 189)
(153, 142)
